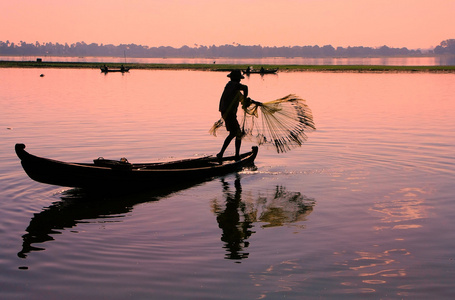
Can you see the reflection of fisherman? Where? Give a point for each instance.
(229, 103)
(235, 230)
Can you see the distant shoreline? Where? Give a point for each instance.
(229, 67)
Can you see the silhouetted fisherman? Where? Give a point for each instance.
(229, 103)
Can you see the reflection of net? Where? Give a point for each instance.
(282, 123)
(284, 208)
(273, 207)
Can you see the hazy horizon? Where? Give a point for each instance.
(195, 46)
(412, 24)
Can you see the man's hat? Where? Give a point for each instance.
(236, 74)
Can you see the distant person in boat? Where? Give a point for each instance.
(122, 68)
(229, 103)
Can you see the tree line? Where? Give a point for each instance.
(198, 51)
(445, 47)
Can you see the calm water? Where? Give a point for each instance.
(363, 210)
(384, 61)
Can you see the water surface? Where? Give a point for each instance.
(363, 209)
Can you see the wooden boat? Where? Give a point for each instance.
(261, 71)
(108, 70)
(105, 174)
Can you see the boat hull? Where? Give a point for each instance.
(103, 70)
(138, 176)
(267, 71)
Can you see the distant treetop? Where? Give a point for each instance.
(446, 47)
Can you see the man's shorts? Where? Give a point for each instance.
(232, 125)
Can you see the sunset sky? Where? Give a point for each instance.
(396, 23)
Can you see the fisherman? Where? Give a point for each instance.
(229, 102)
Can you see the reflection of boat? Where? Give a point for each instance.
(260, 71)
(77, 207)
(108, 70)
(236, 214)
(122, 175)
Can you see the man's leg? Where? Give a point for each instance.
(226, 143)
(238, 143)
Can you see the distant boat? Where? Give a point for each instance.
(108, 70)
(260, 71)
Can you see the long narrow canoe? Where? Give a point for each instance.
(114, 175)
(108, 70)
(264, 71)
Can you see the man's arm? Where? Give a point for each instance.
(244, 88)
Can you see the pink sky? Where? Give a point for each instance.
(395, 23)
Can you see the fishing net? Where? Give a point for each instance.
(282, 123)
